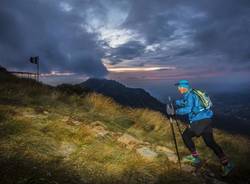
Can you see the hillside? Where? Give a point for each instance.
(50, 136)
(132, 97)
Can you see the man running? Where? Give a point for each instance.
(200, 120)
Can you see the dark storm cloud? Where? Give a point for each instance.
(176, 32)
(129, 50)
(212, 27)
(151, 19)
(53, 32)
(225, 29)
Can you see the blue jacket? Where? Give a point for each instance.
(191, 105)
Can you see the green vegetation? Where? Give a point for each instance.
(48, 136)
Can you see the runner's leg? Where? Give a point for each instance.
(210, 142)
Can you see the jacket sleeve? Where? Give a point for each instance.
(179, 102)
(188, 106)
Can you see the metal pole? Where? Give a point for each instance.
(178, 125)
(175, 142)
(37, 70)
(36, 61)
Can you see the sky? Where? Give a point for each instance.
(141, 43)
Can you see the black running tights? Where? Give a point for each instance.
(208, 139)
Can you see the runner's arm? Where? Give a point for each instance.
(188, 106)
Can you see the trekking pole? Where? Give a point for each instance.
(174, 137)
(177, 123)
(175, 142)
(178, 126)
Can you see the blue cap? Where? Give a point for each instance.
(183, 83)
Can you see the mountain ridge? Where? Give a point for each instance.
(132, 97)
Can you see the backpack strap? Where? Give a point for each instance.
(196, 93)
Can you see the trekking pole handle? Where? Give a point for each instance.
(171, 102)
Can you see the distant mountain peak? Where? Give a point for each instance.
(133, 97)
(102, 81)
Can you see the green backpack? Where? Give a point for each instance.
(204, 98)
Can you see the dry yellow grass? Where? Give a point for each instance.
(45, 136)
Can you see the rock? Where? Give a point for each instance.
(164, 149)
(207, 177)
(75, 122)
(129, 141)
(145, 152)
(187, 168)
(145, 144)
(45, 112)
(116, 134)
(168, 152)
(99, 129)
(65, 118)
(30, 115)
(67, 148)
(71, 121)
(98, 123)
(39, 109)
(172, 158)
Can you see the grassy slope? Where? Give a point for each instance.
(40, 143)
